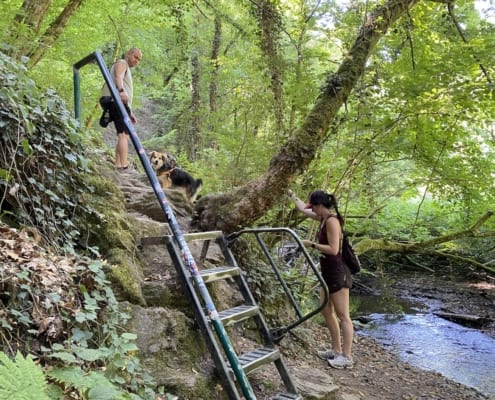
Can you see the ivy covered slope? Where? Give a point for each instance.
(61, 329)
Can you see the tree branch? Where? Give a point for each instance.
(425, 246)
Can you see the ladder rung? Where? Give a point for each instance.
(214, 274)
(153, 240)
(210, 235)
(188, 237)
(237, 314)
(257, 358)
(286, 396)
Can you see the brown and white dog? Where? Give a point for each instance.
(171, 176)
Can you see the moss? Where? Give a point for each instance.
(109, 226)
(126, 276)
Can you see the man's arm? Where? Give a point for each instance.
(120, 69)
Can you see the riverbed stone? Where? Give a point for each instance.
(314, 384)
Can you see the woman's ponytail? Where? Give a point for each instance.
(333, 202)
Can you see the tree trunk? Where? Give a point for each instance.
(428, 246)
(53, 32)
(228, 212)
(215, 51)
(192, 144)
(31, 15)
(269, 25)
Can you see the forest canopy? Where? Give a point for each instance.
(387, 104)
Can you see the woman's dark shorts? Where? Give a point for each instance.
(336, 277)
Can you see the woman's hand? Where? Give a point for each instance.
(307, 243)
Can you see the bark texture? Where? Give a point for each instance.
(215, 51)
(269, 26)
(32, 13)
(193, 140)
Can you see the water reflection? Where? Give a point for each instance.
(429, 342)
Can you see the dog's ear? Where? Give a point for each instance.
(164, 157)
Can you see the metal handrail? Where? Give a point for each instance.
(280, 332)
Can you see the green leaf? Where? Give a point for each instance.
(64, 357)
(22, 379)
(102, 392)
(87, 354)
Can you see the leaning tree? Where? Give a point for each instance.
(229, 211)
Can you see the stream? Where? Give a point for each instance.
(429, 342)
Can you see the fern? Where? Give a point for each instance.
(22, 379)
(95, 384)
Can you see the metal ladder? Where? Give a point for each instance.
(257, 358)
(233, 368)
(250, 361)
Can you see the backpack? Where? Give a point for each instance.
(105, 103)
(349, 255)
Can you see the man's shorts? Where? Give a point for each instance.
(117, 118)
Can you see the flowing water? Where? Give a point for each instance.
(429, 342)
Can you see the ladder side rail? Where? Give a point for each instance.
(230, 260)
(224, 245)
(203, 322)
(267, 335)
(284, 374)
(204, 251)
(279, 276)
(179, 237)
(283, 330)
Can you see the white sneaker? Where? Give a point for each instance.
(327, 354)
(341, 362)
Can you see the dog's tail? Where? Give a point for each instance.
(196, 187)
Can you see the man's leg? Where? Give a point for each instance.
(121, 150)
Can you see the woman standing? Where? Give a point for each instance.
(323, 208)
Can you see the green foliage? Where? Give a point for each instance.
(42, 163)
(94, 385)
(65, 307)
(21, 379)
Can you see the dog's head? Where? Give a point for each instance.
(158, 160)
(171, 162)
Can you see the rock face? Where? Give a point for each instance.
(171, 347)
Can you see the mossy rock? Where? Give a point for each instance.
(172, 350)
(125, 273)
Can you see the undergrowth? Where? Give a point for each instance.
(42, 162)
(62, 312)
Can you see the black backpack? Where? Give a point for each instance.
(349, 255)
(105, 103)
